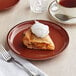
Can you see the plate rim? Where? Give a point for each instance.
(37, 58)
(2, 9)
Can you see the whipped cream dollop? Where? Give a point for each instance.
(39, 29)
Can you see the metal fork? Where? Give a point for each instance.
(7, 57)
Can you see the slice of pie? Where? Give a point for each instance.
(32, 41)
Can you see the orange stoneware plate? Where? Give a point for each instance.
(5, 4)
(57, 33)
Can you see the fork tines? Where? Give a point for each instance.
(4, 53)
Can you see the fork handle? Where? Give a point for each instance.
(25, 69)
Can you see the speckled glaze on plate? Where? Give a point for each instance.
(57, 33)
(5, 4)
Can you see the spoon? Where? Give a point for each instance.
(63, 17)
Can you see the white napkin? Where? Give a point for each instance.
(11, 69)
